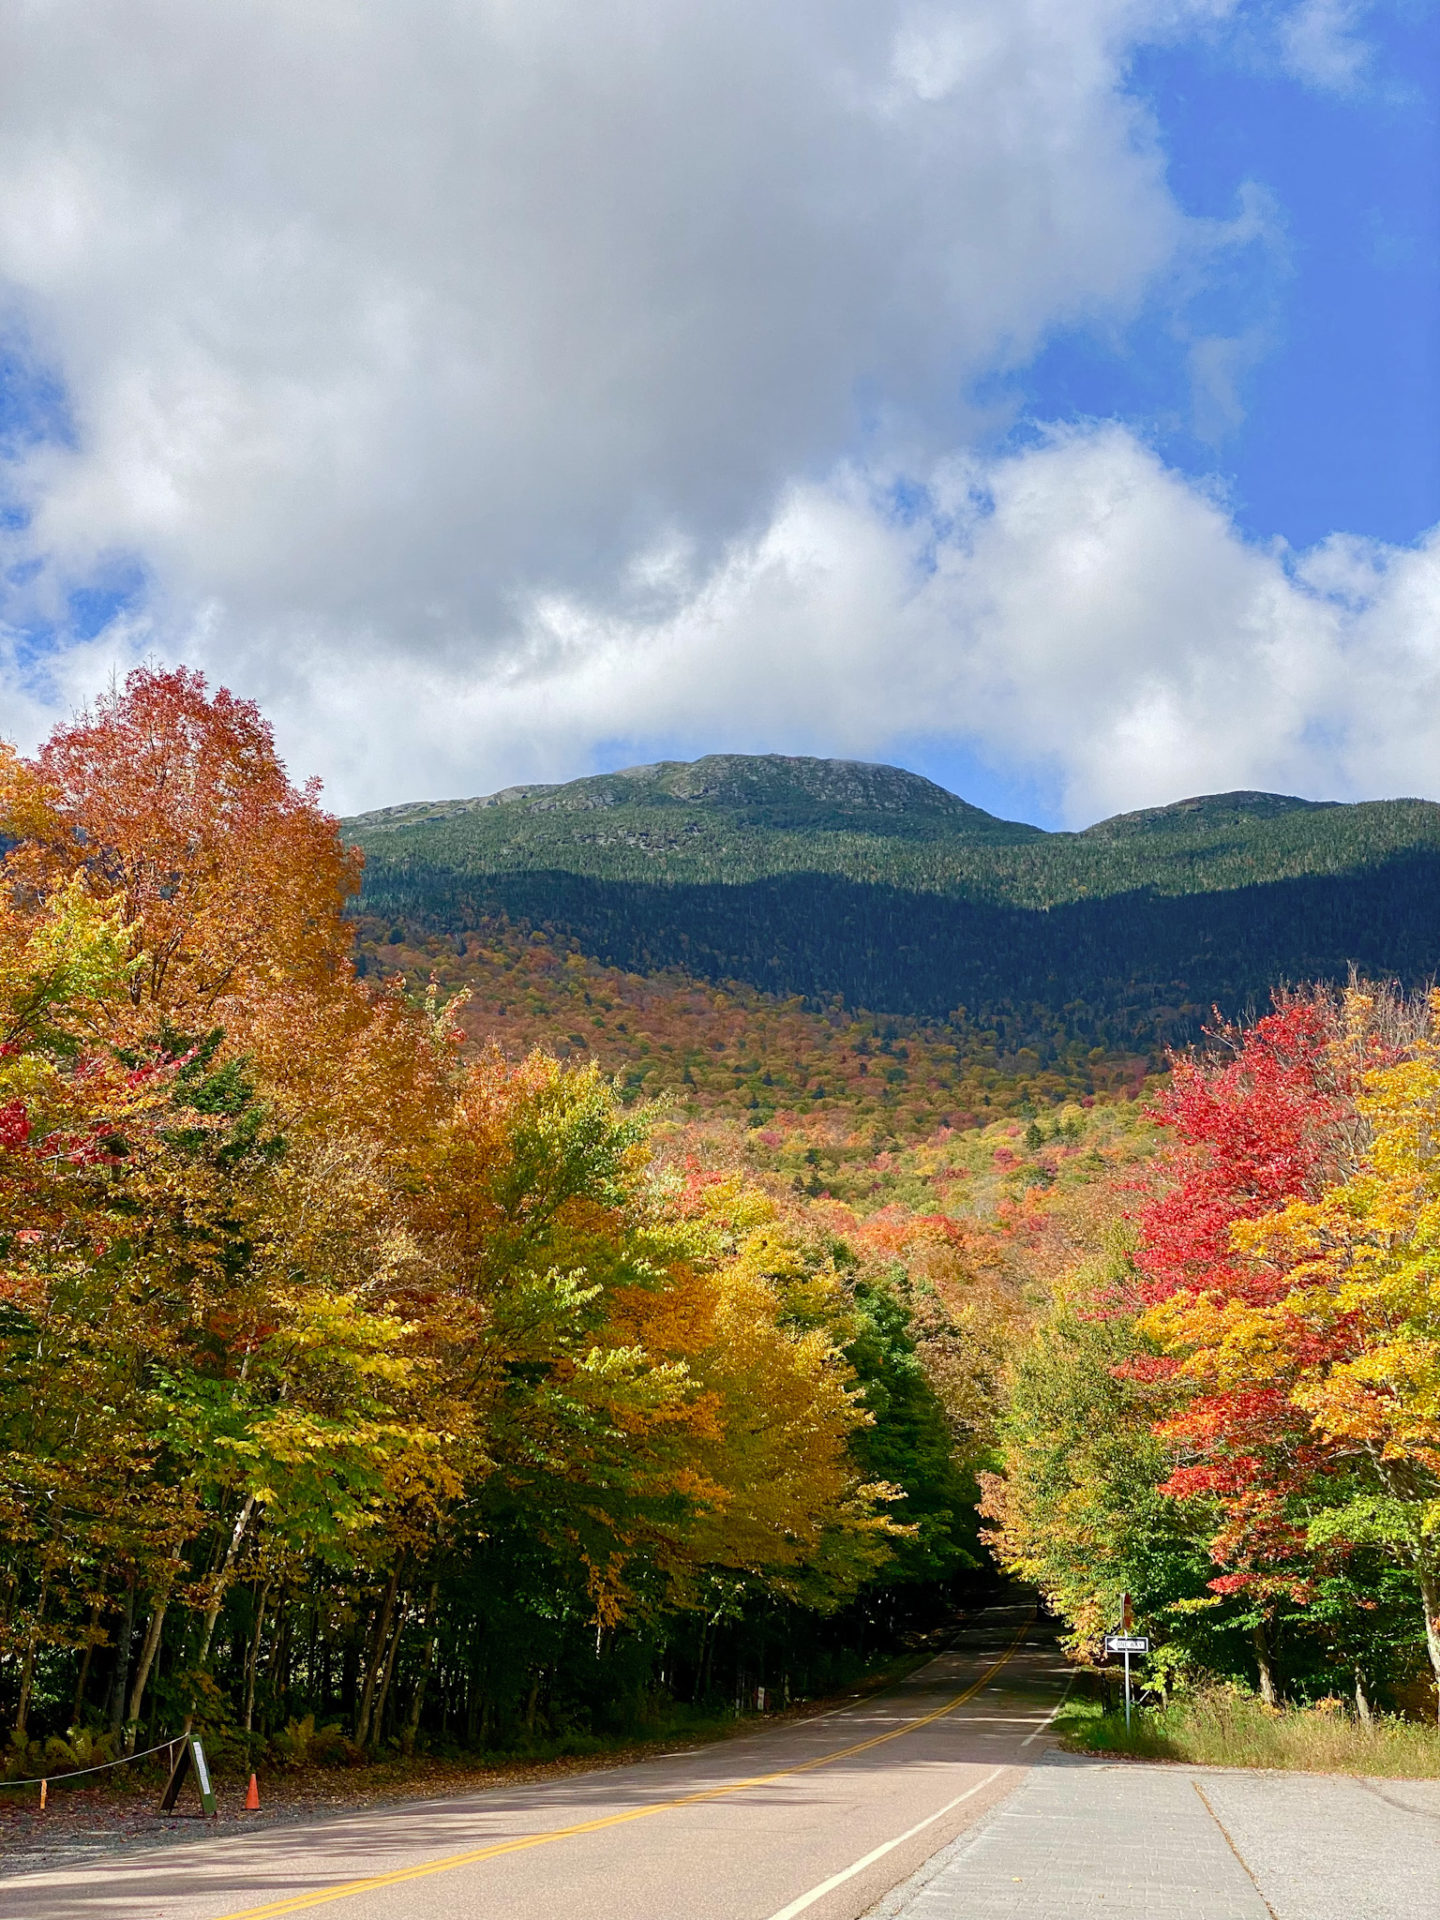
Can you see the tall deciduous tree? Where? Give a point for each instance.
(289, 1292)
(1346, 1328)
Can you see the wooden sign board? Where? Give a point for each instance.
(190, 1759)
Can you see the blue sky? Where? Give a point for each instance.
(1337, 305)
(1341, 422)
(1045, 396)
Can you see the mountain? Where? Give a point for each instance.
(769, 790)
(835, 877)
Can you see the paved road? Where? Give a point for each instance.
(1089, 1840)
(821, 1817)
(939, 1800)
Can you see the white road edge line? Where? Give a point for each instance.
(1052, 1713)
(878, 1853)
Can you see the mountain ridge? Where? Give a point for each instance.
(821, 878)
(845, 787)
(730, 819)
(878, 784)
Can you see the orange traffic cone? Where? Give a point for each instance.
(252, 1796)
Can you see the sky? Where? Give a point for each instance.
(1040, 394)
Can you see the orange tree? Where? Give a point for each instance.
(188, 1337)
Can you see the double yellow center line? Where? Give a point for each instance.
(347, 1889)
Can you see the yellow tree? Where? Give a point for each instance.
(766, 1341)
(655, 1397)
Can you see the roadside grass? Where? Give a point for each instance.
(1227, 1728)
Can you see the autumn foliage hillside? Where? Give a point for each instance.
(413, 1340)
(733, 1050)
(367, 1386)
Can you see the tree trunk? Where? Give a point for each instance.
(1362, 1700)
(77, 1705)
(1430, 1598)
(427, 1660)
(372, 1671)
(253, 1662)
(277, 1667)
(377, 1725)
(286, 1670)
(350, 1679)
(217, 1596)
(27, 1674)
(27, 1671)
(475, 1703)
(142, 1671)
(122, 1663)
(1262, 1659)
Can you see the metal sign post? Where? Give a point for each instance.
(1127, 1689)
(1127, 1624)
(1127, 1643)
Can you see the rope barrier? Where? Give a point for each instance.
(44, 1779)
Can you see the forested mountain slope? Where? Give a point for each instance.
(735, 1054)
(824, 877)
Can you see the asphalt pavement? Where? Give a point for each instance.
(821, 1816)
(940, 1799)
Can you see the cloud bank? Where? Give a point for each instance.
(486, 387)
(1075, 608)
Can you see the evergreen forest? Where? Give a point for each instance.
(823, 878)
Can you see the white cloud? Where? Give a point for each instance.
(1073, 607)
(482, 384)
(1320, 43)
(375, 316)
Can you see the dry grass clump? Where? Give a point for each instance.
(1225, 1727)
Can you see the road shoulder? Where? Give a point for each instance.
(1084, 1836)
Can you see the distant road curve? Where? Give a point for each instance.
(821, 1817)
